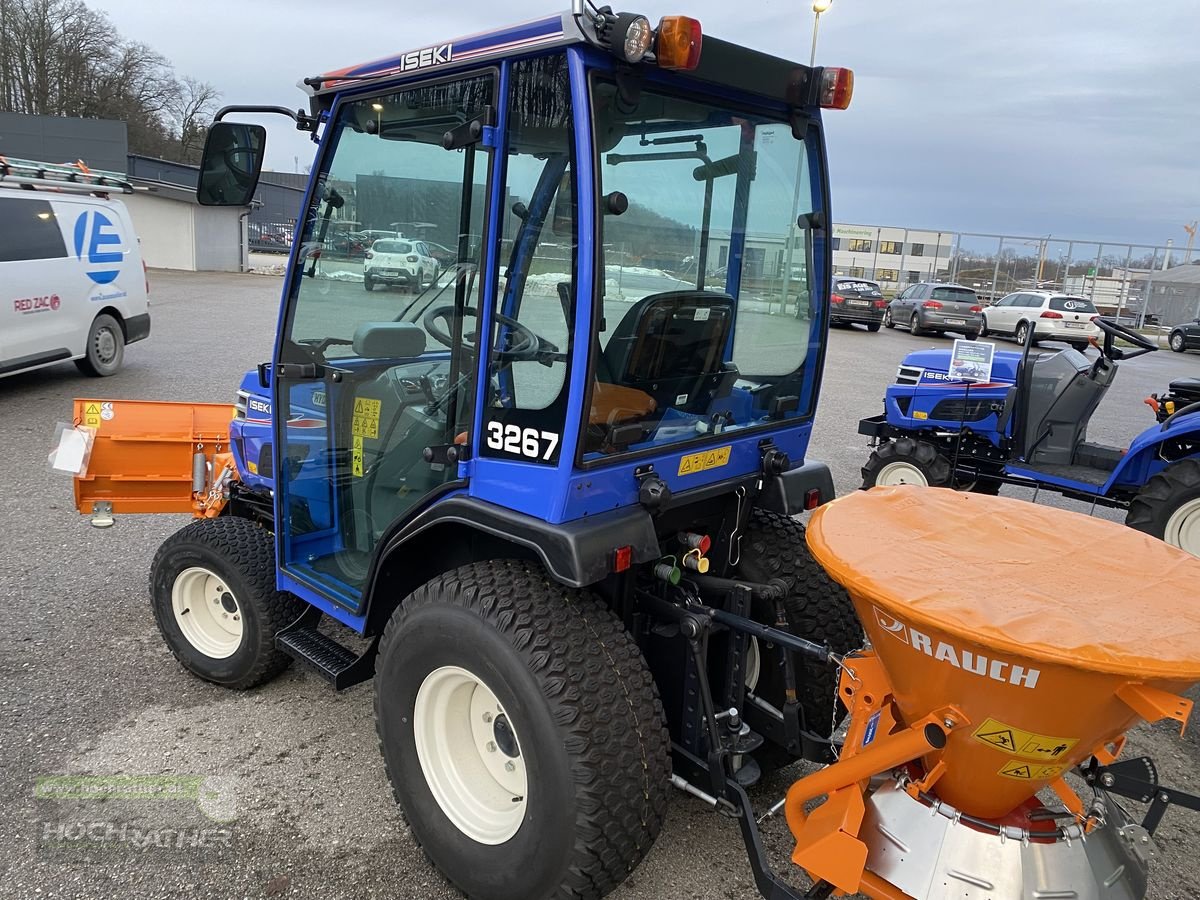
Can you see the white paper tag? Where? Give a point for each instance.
(71, 452)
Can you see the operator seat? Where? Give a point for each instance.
(671, 346)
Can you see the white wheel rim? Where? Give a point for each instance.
(470, 755)
(1183, 528)
(753, 664)
(207, 612)
(900, 473)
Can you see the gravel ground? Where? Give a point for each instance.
(294, 800)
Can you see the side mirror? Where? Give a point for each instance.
(232, 162)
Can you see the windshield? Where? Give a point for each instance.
(708, 287)
(1072, 304)
(954, 294)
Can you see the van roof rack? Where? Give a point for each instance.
(73, 177)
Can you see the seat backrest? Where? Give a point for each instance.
(672, 346)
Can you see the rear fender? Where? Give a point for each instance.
(1155, 449)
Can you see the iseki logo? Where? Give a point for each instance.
(27, 305)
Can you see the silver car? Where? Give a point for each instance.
(936, 306)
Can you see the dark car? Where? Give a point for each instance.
(1185, 336)
(935, 306)
(856, 300)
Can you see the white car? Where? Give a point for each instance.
(1054, 316)
(402, 262)
(72, 282)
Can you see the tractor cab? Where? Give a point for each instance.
(638, 289)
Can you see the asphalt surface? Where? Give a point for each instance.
(294, 800)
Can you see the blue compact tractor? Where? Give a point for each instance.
(1027, 425)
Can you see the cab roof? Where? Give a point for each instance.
(721, 62)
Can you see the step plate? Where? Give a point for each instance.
(319, 650)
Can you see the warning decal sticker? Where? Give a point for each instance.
(1023, 743)
(1027, 771)
(356, 457)
(366, 417)
(91, 415)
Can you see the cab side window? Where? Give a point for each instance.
(532, 326)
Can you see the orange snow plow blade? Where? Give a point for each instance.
(147, 454)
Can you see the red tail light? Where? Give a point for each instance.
(976, 309)
(837, 299)
(1051, 314)
(880, 304)
(931, 304)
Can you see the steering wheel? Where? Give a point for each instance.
(1114, 329)
(523, 345)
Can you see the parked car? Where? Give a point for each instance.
(936, 306)
(856, 300)
(1185, 336)
(444, 255)
(72, 282)
(1054, 316)
(405, 263)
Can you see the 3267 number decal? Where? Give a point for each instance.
(527, 442)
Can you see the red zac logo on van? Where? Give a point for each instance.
(26, 305)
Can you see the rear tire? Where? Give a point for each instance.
(906, 461)
(212, 588)
(872, 327)
(105, 348)
(1177, 342)
(914, 325)
(584, 734)
(1168, 506)
(818, 609)
(1022, 333)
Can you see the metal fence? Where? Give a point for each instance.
(1142, 284)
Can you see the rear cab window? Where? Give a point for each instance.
(392, 247)
(857, 287)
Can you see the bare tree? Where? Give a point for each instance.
(60, 58)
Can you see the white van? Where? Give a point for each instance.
(72, 282)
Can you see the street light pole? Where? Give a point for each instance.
(819, 6)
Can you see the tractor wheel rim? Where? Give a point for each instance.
(470, 755)
(1183, 527)
(895, 473)
(207, 612)
(106, 345)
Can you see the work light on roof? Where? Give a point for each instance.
(632, 37)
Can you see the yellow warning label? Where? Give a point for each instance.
(1023, 743)
(91, 415)
(356, 457)
(707, 459)
(1027, 771)
(366, 418)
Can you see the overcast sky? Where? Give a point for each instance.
(1077, 118)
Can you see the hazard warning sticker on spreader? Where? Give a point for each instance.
(1022, 743)
(1027, 771)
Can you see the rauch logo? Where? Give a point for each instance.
(98, 242)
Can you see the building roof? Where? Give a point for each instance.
(1186, 274)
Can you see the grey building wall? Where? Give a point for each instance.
(101, 143)
(280, 199)
(218, 239)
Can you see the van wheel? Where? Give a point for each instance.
(105, 348)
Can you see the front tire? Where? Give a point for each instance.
(906, 461)
(1177, 342)
(212, 588)
(887, 318)
(368, 283)
(1168, 506)
(567, 797)
(105, 348)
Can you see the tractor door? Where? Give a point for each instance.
(377, 356)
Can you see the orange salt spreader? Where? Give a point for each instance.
(1010, 644)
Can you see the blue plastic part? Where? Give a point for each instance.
(285, 582)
